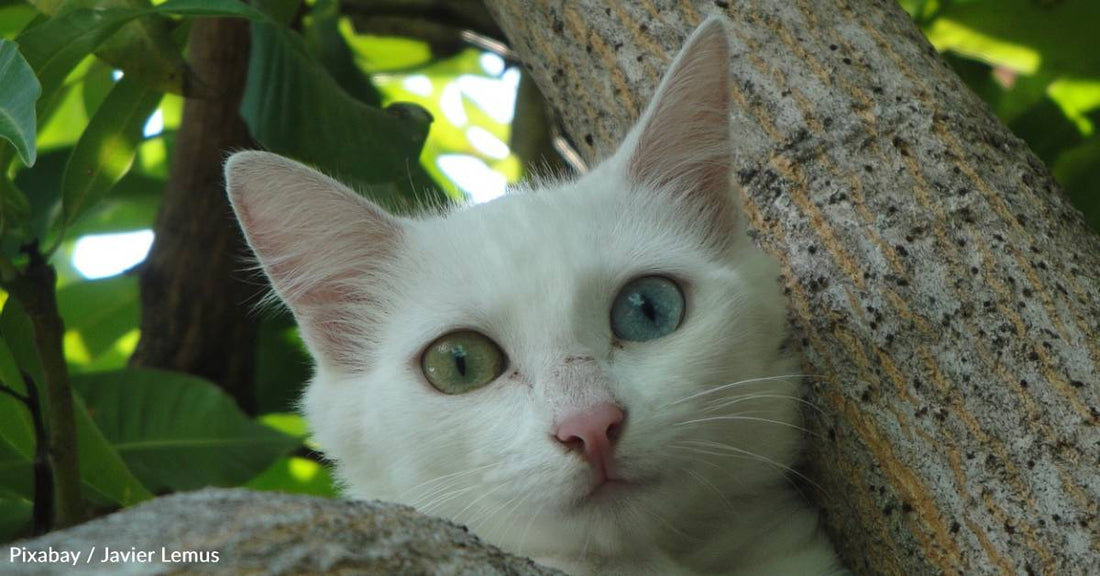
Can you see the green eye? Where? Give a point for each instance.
(647, 308)
(462, 361)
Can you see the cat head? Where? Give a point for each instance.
(597, 352)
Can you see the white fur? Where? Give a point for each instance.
(537, 271)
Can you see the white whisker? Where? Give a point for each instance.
(712, 487)
(441, 478)
(745, 418)
(476, 522)
(587, 539)
(523, 538)
(444, 498)
(480, 498)
(519, 501)
(749, 454)
(741, 383)
(665, 522)
(724, 402)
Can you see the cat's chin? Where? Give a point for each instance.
(612, 492)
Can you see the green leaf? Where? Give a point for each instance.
(279, 11)
(62, 120)
(16, 472)
(14, 207)
(388, 53)
(1077, 98)
(17, 331)
(1078, 170)
(1056, 38)
(100, 311)
(15, 515)
(288, 423)
(179, 432)
(56, 46)
(282, 365)
(1046, 129)
(359, 144)
(43, 180)
(21, 90)
(17, 444)
(15, 17)
(322, 35)
(210, 8)
(102, 469)
(295, 475)
(142, 48)
(9, 370)
(103, 474)
(98, 82)
(131, 205)
(106, 150)
(17, 439)
(16, 434)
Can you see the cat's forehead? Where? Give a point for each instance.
(573, 226)
(520, 233)
(547, 246)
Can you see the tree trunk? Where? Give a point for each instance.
(195, 304)
(232, 532)
(938, 280)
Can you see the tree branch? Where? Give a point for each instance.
(11, 392)
(43, 469)
(194, 297)
(35, 289)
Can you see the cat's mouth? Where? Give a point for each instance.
(612, 489)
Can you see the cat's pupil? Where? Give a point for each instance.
(649, 310)
(460, 360)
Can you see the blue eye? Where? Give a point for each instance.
(647, 308)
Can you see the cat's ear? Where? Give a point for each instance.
(682, 144)
(324, 248)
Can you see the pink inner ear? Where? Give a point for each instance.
(682, 145)
(341, 335)
(332, 295)
(312, 275)
(325, 249)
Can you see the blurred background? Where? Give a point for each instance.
(1035, 62)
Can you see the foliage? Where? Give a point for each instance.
(285, 90)
(17, 103)
(176, 432)
(83, 80)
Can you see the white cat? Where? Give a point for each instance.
(588, 373)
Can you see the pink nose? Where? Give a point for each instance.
(593, 432)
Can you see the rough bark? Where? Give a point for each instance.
(938, 280)
(276, 534)
(194, 297)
